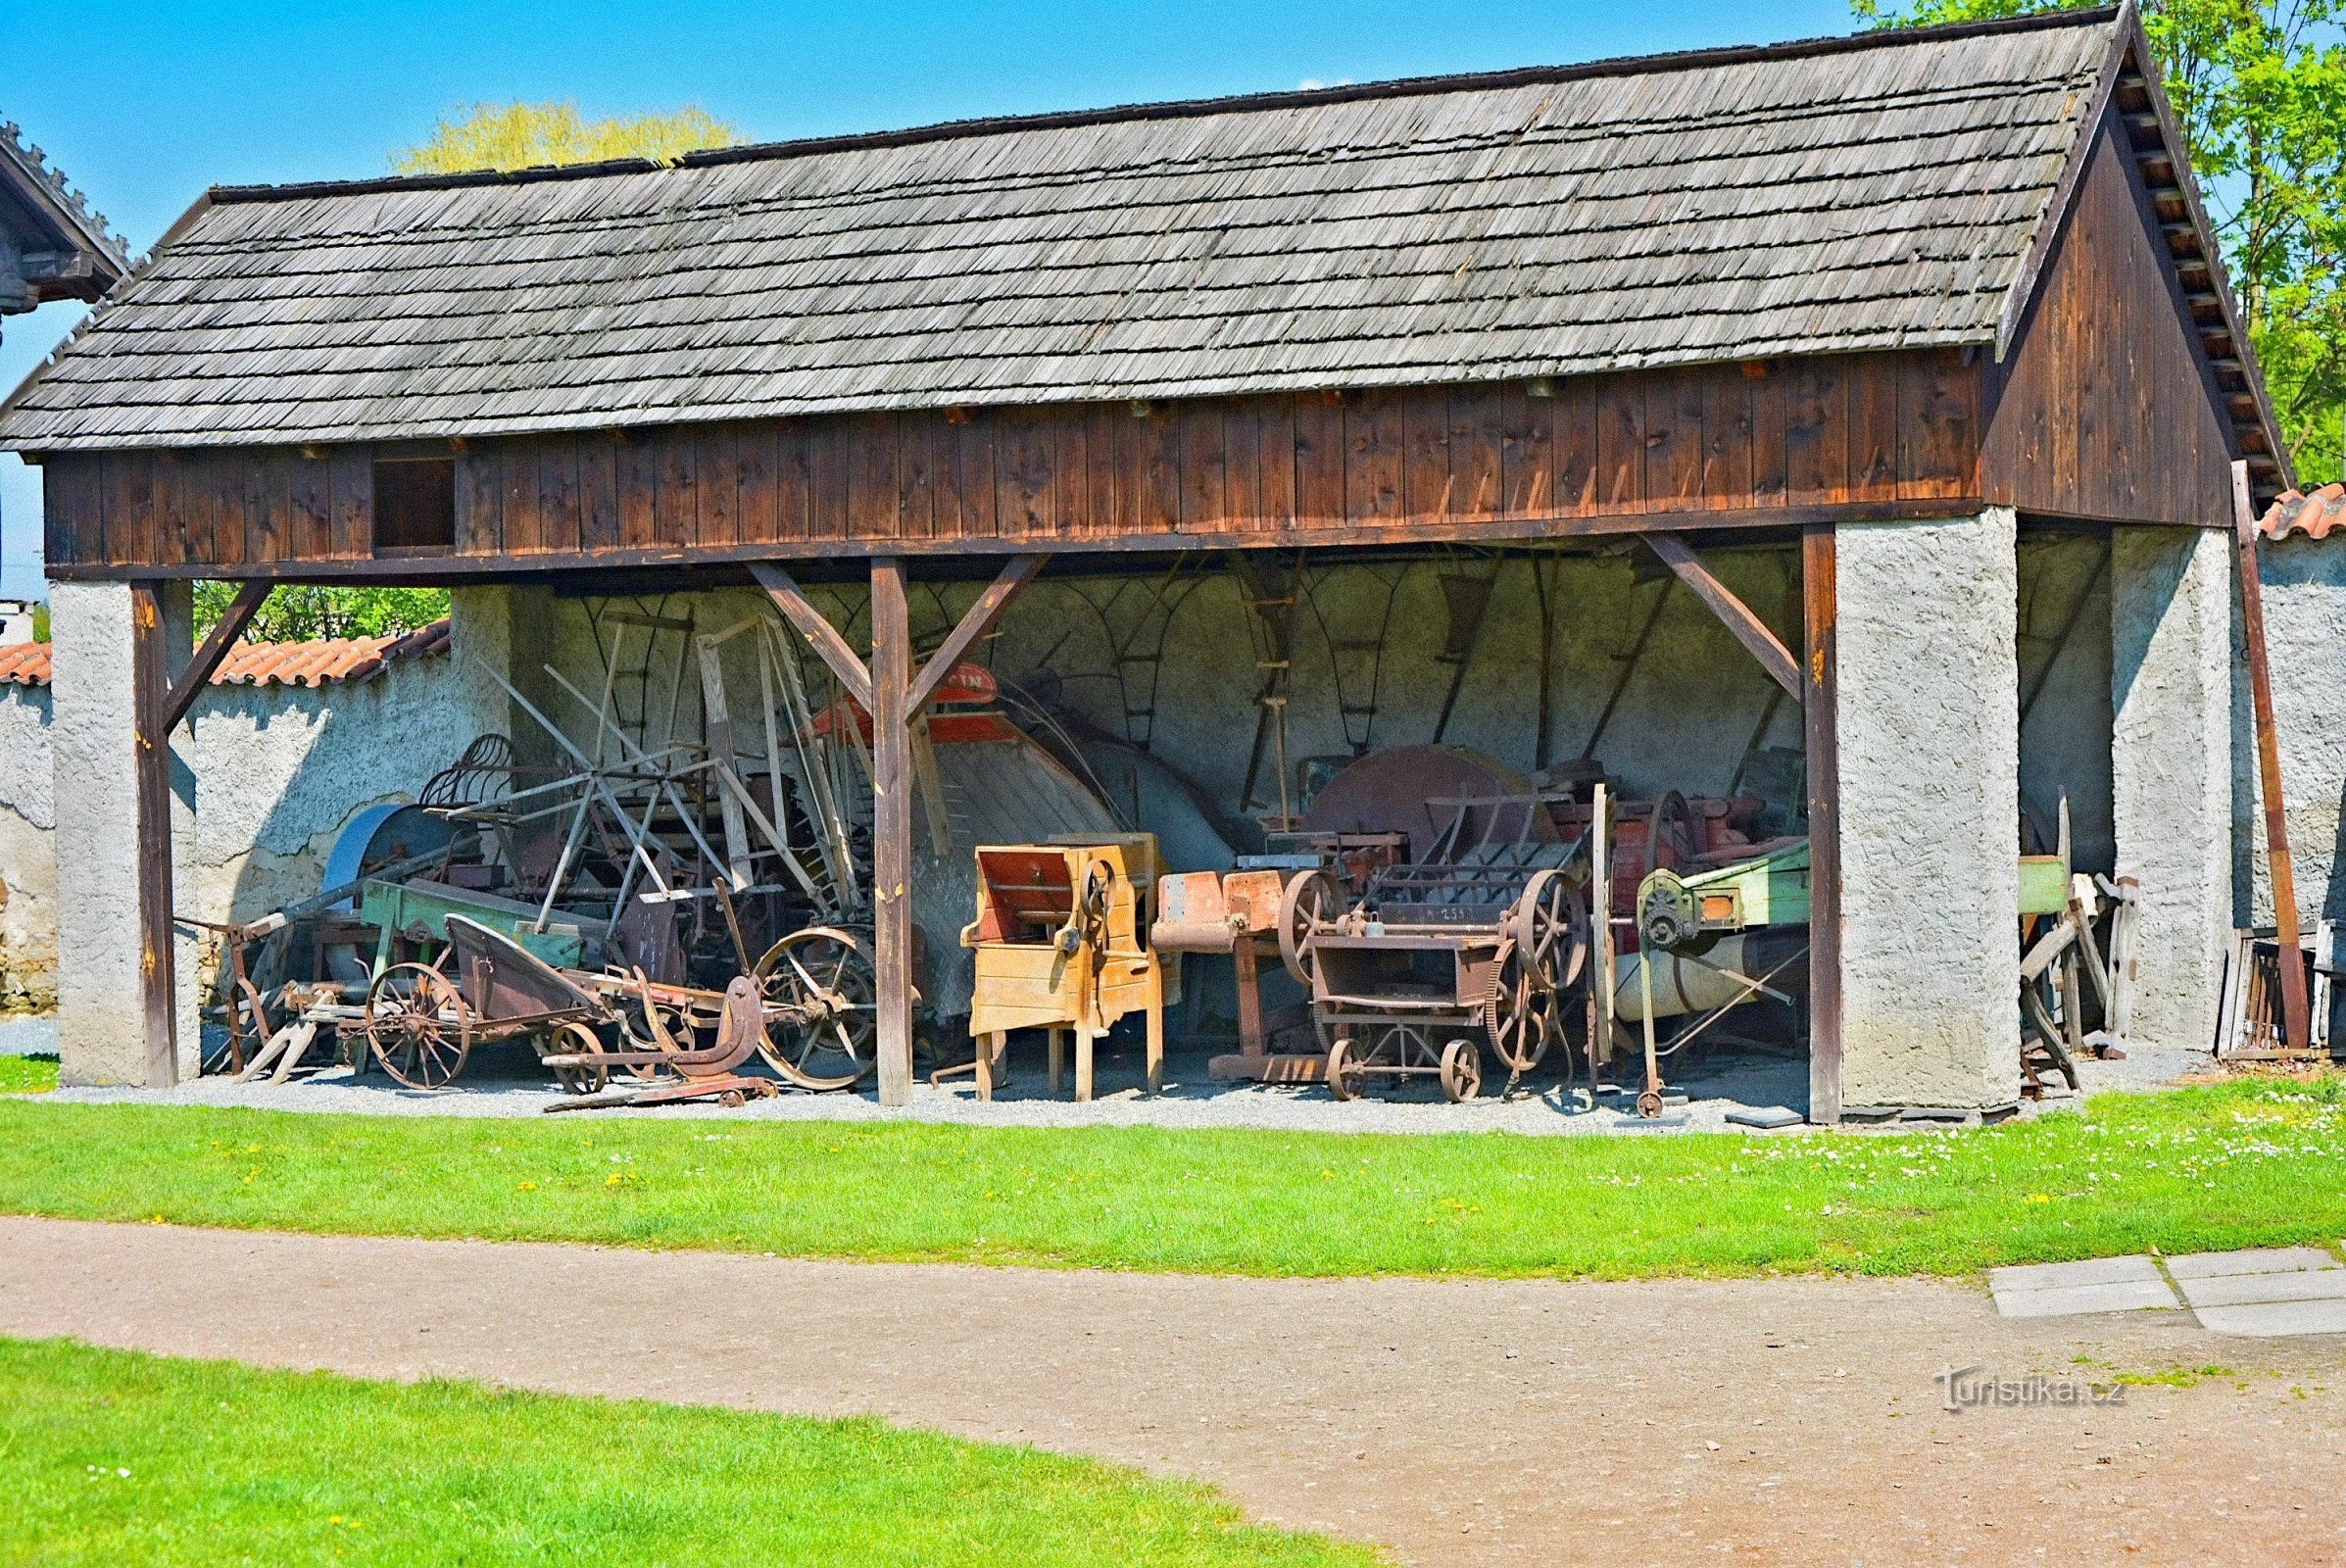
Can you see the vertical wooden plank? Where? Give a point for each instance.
(1205, 464)
(1022, 476)
(1572, 421)
(1156, 475)
(1767, 401)
(635, 466)
(597, 491)
(1527, 452)
(1321, 461)
(1242, 467)
(1725, 482)
(1427, 485)
(871, 494)
(1106, 449)
(1069, 432)
(916, 483)
(1938, 430)
(1478, 430)
(350, 502)
(269, 508)
(892, 826)
(231, 513)
(1376, 457)
(131, 525)
(313, 505)
(1620, 444)
(561, 529)
(1275, 462)
(716, 462)
(1816, 434)
(676, 509)
(480, 500)
(1873, 426)
(523, 498)
(72, 518)
(826, 478)
(1674, 440)
(1820, 598)
(149, 686)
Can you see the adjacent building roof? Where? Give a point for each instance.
(52, 246)
(304, 664)
(1874, 192)
(2316, 516)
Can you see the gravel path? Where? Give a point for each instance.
(1643, 1424)
(508, 1085)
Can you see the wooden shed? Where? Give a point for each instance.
(1891, 302)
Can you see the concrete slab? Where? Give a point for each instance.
(2253, 1260)
(2297, 1285)
(2127, 1270)
(2067, 1301)
(2274, 1319)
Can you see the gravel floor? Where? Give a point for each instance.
(505, 1083)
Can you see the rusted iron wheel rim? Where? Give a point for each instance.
(1519, 1015)
(1461, 1070)
(577, 1038)
(417, 1026)
(1551, 929)
(822, 1000)
(1308, 901)
(1346, 1078)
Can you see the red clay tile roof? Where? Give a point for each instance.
(2316, 516)
(304, 664)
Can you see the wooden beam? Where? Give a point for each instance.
(1820, 707)
(150, 687)
(209, 652)
(892, 825)
(2296, 1008)
(975, 623)
(1751, 631)
(813, 626)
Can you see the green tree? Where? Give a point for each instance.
(526, 135)
(2260, 88)
(297, 612)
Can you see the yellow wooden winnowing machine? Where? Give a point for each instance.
(1061, 944)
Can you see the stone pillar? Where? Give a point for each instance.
(510, 630)
(101, 1025)
(2170, 767)
(1930, 806)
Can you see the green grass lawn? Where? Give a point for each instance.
(109, 1457)
(27, 1075)
(2254, 1163)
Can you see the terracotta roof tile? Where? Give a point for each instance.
(302, 664)
(2314, 516)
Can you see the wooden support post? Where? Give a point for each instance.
(2297, 1033)
(1820, 706)
(208, 653)
(1749, 630)
(150, 699)
(811, 624)
(892, 825)
(974, 623)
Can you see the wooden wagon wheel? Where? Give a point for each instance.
(417, 1025)
(1461, 1070)
(1348, 1078)
(1309, 900)
(580, 1040)
(1671, 829)
(1519, 1014)
(824, 978)
(1549, 928)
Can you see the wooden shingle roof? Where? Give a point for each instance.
(1874, 192)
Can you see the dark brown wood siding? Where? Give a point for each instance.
(1754, 443)
(2104, 406)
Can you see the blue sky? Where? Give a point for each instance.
(160, 100)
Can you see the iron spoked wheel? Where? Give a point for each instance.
(1550, 927)
(1311, 899)
(663, 1028)
(578, 1039)
(1461, 1071)
(823, 1008)
(1520, 1015)
(1348, 1078)
(1670, 833)
(417, 1025)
